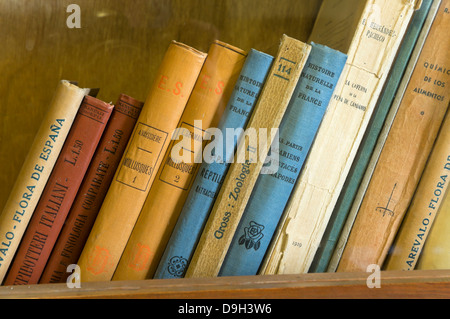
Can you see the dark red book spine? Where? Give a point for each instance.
(93, 190)
(59, 193)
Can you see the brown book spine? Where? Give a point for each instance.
(426, 203)
(90, 197)
(405, 152)
(59, 193)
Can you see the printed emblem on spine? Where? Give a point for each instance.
(141, 257)
(139, 161)
(252, 236)
(177, 266)
(98, 261)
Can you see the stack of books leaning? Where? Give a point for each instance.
(331, 155)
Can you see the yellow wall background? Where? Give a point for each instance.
(117, 49)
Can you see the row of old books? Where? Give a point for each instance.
(243, 163)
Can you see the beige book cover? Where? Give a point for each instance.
(162, 110)
(371, 50)
(36, 169)
(242, 175)
(404, 155)
(175, 176)
(343, 237)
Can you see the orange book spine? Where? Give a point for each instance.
(166, 198)
(143, 155)
(82, 215)
(59, 192)
(405, 153)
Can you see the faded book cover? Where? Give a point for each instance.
(378, 34)
(404, 154)
(272, 189)
(369, 152)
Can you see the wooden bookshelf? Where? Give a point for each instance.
(393, 284)
(118, 49)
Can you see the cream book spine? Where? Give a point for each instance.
(36, 169)
(372, 49)
(343, 237)
(404, 155)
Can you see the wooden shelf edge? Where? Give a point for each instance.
(393, 284)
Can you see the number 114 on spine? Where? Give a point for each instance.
(241, 178)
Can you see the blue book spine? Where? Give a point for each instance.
(296, 134)
(339, 216)
(206, 186)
